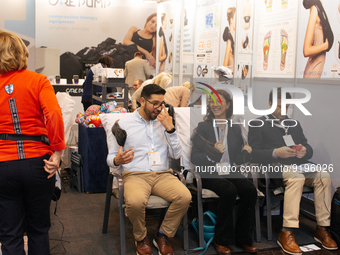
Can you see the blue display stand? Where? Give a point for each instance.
(92, 147)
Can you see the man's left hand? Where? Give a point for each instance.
(165, 119)
(301, 153)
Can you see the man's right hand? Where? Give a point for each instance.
(124, 157)
(284, 152)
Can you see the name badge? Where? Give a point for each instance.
(223, 168)
(154, 158)
(288, 140)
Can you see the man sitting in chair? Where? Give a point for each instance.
(282, 140)
(151, 137)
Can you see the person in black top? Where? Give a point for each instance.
(219, 146)
(103, 62)
(144, 39)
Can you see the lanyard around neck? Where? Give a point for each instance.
(279, 125)
(219, 135)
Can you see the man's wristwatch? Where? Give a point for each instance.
(171, 131)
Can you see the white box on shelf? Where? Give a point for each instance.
(114, 72)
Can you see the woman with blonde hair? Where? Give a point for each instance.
(31, 144)
(162, 79)
(179, 96)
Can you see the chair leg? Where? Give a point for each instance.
(185, 231)
(107, 203)
(257, 214)
(200, 219)
(269, 214)
(122, 229)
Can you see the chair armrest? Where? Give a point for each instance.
(198, 181)
(180, 176)
(120, 186)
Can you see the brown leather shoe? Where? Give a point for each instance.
(323, 236)
(163, 245)
(143, 247)
(222, 249)
(287, 243)
(250, 248)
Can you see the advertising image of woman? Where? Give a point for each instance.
(229, 39)
(318, 39)
(145, 39)
(163, 50)
(221, 145)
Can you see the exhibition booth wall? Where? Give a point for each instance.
(265, 44)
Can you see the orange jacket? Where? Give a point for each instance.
(38, 113)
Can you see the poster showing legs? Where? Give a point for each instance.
(276, 49)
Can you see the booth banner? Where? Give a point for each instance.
(81, 28)
(188, 34)
(319, 40)
(245, 25)
(207, 37)
(165, 37)
(276, 49)
(18, 17)
(228, 35)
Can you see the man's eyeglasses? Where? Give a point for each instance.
(211, 102)
(155, 104)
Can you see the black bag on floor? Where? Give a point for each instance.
(335, 216)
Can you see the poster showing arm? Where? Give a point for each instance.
(165, 37)
(244, 70)
(228, 33)
(276, 49)
(245, 32)
(319, 40)
(207, 37)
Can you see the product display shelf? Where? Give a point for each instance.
(112, 83)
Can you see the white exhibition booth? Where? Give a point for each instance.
(268, 48)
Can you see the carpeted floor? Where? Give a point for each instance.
(77, 229)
